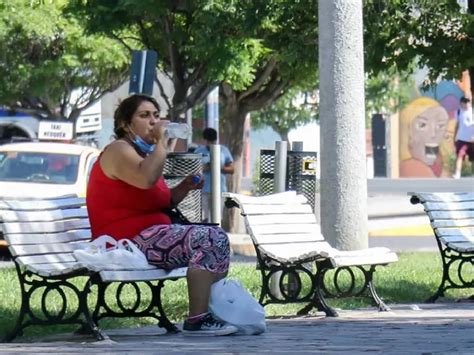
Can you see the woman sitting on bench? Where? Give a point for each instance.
(127, 198)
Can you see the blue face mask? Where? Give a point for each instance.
(143, 146)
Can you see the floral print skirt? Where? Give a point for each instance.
(195, 246)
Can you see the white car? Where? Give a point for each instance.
(40, 170)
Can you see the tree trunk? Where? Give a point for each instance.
(284, 134)
(233, 134)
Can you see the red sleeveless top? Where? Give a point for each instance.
(122, 210)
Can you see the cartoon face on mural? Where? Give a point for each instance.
(426, 133)
(423, 126)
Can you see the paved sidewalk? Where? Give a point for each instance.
(407, 329)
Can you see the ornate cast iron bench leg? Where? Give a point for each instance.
(114, 306)
(354, 288)
(32, 284)
(319, 301)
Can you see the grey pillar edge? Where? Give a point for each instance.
(279, 185)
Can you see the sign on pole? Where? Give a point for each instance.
(54, 130)
(142, 72)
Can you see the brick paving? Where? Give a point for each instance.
(407, 329)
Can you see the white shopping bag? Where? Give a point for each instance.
(106, 253)
(232, 303)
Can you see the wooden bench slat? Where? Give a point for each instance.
(444, 196)
(284, 228)
(142, 275)
(282, 198)
(42, 216)
(52, 204)
(456, 238)
(291, 252)
(49, 238)
(45, 227)
(256, 220)
(296, 252)
(434, 215)
(46, 258)
(453, 223)
(449, 206)
(39, 249)
(286, 238)
(275, 209)
(56, 269)
(371, 257)
(467, 231)
(464, 247)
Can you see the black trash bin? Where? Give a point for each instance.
(177, 167)
(300, 173)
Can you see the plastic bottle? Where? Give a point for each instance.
(178, 130)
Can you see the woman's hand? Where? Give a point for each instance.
(159, 134)
(179, 192)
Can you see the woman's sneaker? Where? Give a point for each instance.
(208, 325)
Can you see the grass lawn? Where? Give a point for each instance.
(412, 279)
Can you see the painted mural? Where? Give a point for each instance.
(427, 132)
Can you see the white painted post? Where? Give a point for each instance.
(279, 185)
(216, 215)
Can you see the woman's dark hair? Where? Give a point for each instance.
(125, 110)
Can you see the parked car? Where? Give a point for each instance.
(42, 170)
(39, 170)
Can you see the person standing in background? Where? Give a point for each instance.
(464, 136)
(227, 167)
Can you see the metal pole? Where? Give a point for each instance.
(215, 150)
(189, 120)
(292, 280)
(215, 106)
(279, 185)
(212, 110)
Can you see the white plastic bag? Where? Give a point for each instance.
(232, 303)
(106, 253)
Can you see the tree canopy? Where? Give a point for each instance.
(250, 46)
(49, 67)
(435, 34)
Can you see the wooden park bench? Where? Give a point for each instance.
(42, 235)
(288, 241)
(452, 219)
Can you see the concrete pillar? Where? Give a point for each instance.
(342, 111)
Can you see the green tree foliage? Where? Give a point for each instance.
(293, 109)
(45, 57)
(435, 34)
(387, 92)
(199, 43)
(255, 48)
